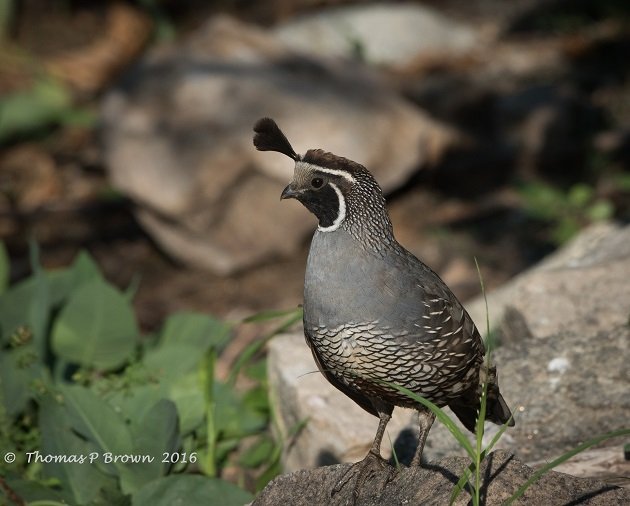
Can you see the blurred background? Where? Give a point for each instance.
(498, 130)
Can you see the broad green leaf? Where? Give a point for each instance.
(185, 489)
(84, 269)
(94, 419)
(194, 329)
(170, 363)
(64, 281)
(156, 433)
(27, 304)
(233, 418)
(35, 493)
(83, 481)
(19, 368)
(60, 282)
(134, 403)
(188, 396)
(96, 328)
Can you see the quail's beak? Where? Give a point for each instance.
(289, 193)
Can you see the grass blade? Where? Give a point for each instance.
(270, 315)
(256, 346)
(463, 480)
(441, 416)
(563, 458)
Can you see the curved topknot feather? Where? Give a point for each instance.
(269, 137)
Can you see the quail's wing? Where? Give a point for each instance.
(433, 318)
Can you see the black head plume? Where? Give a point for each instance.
(269, 137)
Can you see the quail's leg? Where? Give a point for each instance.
(372, 463)
(425, 421)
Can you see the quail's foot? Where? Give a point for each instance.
(372, 467)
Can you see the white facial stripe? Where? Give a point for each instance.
(334, 172)
(340, 215)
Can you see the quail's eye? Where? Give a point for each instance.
(317, 182)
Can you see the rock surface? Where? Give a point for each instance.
(582, 288)
(378, 33)
(566, 382)
(502, 475)
(178, 140)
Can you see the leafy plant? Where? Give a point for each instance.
(46, 103)
(96, 414)
(566, 211)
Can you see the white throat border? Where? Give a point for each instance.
(341, 212)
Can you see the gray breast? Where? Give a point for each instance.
(380, 318)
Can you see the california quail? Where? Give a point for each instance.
(373, 312)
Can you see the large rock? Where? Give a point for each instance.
(565, 375)
(581, 288)
(178, 140)
(502, 474)
(381, 33)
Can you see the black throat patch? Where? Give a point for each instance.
(323, 203)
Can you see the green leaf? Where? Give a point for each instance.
(579, 195)
(234, 418)
(26, 111)
(188, 396)
(177, 370)
(258, 453)
(96, 328)
(155, 433)
(196, 330)
(170, 363)
(96, 420)
(253, 348)
(5, 268)
(27, 304)
(134, 403)
(19, 368)
(600, 210)
(185, 489)
(257, 371)
(83, 481)
(257, 398)
(35, 493)
(85, 269)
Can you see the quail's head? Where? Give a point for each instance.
(338, 191)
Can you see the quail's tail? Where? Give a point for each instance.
(497, 410)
